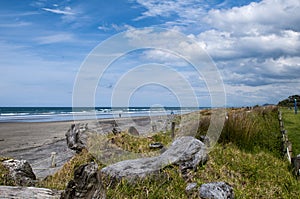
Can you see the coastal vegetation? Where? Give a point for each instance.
(139, 144)
(259, 175)
(251, 130)
(248, 157)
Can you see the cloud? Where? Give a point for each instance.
(178, 14)
(163, 57)
(56, 38)
(256, 72)
(115, 27)
(66, 11)
(182, 15)
(182, 8)
(249, 95)
(224, 45)
(268, 28)
(255, 46)
(264, 17)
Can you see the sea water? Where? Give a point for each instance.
(55, 114)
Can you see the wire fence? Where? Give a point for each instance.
(287, 147)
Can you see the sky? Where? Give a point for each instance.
(255, 46)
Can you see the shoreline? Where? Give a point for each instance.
(55, 114)
(35, 141)
(16, 136)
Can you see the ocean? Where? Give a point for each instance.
(56, 114)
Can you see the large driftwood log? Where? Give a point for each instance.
(28, 192)
(186, 152)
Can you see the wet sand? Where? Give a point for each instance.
(16, 136)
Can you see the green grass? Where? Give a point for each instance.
(252, 175)
(139, 144)
(114, 148)
(259, 175)
(168, 184)
(291, 123)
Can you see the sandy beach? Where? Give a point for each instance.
(22, 135)
(16, 136)
(35, 141)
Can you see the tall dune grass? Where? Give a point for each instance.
(251, 130)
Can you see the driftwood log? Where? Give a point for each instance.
(28, 192)
(86, 184)
(77, 137)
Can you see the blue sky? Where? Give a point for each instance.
(254, 44)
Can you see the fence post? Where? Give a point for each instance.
(154, 127)
(295, 105)
(288, 155)
(290, 151)
(279, 116)
(53, 156)
(173, 130)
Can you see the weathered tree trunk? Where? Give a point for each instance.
(86, 184)
(186, 152)
(77, 137)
